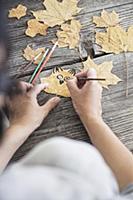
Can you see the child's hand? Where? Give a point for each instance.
(25, 115)
(25, 110)
(86, 96)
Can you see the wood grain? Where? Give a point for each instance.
(117, 110)
(63, 121)
(62, 56)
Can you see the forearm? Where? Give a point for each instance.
(6, 153)
(117, 156)
(14, 137)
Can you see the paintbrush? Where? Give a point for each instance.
(87, 79)
(90, 79)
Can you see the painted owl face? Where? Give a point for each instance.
(57, 81)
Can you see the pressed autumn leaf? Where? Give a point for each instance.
(107, 19)
(35, 27)
(57, 83)
(18, 12)
(29, 54)
(103, 71)
(56, 12)
(130, 38)
(69, 36)
(116, 40)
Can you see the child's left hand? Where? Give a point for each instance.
(24, 110)
(25, 115)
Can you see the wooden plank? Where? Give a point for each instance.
(125, 12)
(117, 110)
(62, 56)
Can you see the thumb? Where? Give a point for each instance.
(52, 103)
(91, 73)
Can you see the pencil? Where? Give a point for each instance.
(29, 64)
(38, 67)
(33, 60)
(45, 62)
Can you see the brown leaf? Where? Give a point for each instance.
(56, 12)
(70, 34)
(29, 54)
(107, 19)
(103, 71)
(116, 40)
(57, 83)
(18, 12)
(35, 27)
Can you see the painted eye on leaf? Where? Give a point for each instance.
(60, 78)
(57, 81)
(67, 78)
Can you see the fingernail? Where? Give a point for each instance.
(92, 70)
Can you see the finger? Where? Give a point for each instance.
(81, 74)
(37, 89)
(52, 103)
(81, 83)
(24, 86)
(72, 84)
(91, 73)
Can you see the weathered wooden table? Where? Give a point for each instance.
(63, 121)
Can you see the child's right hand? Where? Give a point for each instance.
(86, 99)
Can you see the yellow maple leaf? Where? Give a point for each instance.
(18, 12)
(70, 34)
(115, 40)
(103, 71)
(130, 38)
(57, 83)
(107, 19)
(29, 54)
(35, 27)
(56, 12)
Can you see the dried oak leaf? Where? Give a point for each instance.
(107, 19)
(18, 12)
(116, 40)
(57, 83)
(70, 34)
(35, 27)
(29, 54)
(103, 70)
(56, 12)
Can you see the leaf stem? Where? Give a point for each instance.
(126, 65)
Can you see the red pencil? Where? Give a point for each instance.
(45, 62)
